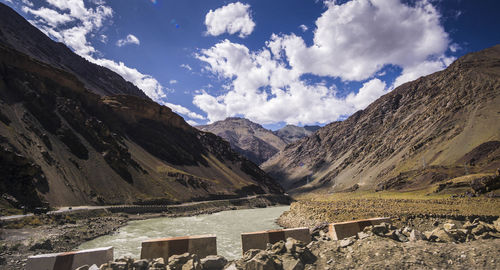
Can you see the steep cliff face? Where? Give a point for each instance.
(62, 143)
(17, 33)
(434, 128)
(291, 133)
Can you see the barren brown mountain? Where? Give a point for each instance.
(433, 129)
(254, 141)
(68, 139)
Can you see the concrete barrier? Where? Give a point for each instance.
(201, 245)
(341, 230)
(259, 240)
(70, 260)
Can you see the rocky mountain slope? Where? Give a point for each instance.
(252, 140)
(18, 33)
(435, 128)
(65, 144)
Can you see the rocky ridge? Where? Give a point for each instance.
(254, 141)
(433, 129)
(66, 144)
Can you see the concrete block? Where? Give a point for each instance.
(259, 240)
(70, 260)
(341, 230)
(201, 245)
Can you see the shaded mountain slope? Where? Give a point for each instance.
(435, 128)
(62, 144)
(291, 133)
(17, 33)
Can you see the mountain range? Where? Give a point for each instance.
(75, 133)
(254, 141)
(433, 129)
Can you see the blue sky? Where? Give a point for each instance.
(274, 62)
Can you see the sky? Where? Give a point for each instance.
(301, 62)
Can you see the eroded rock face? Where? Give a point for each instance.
(388, 145)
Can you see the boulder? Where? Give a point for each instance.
(184, 261)
(416, 235)
(213, 262)
(291, 263)
(140, 264)
(449, 226)
(346, 242)
(261, 261)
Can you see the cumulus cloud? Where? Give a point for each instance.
(356, 39)
(232, 18)
(130, 39)
(71, 22)
(352, 41)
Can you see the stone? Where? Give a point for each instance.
(93, 267)
(213, 262)
(176, 262)
(231, 267)
(346, 242)
(192, 264)
(278, 248)
(140, 264)
(118, 265)
(496, 224)
(442, 236)
(400, 236)
(469, 226)
(83, 267)
(363, 235)
(479, 229)
(290, 263)
(380, 229)
(449, 226)
(416, 235)
(261, 261)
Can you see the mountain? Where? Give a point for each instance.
(68, 139)
(16, 32)
(291, 133)
(248, 138)
(438, 127)
(252, 140)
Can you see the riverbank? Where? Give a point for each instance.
(65, 231)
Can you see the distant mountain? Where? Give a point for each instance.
(252, 140)
(248, 138)
(73, 133)
(435, 128)
(291, 133)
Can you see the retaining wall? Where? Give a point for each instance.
(341, 230)
(259, 240)
(70, 260)
(201, 245)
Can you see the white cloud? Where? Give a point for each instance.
(352, 41)
(71, 22)
(172, 81)
(103, 38)
(356, 39)
(27, 3)
(303, 27)
(183, 110)
(186, 66)
(130, 39)
(192, 123)
(232, 18)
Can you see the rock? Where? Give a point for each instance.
(363, 235)
(380, 229)
(47, 245)
(291, 263)
(479, 229)
(449, 226)
(401, 237)
(416, 235)
(213, 262)
(93, 267)
(231, 267)
(278, 248)
(118, 265)
(140, 264)
(184, 261)
(83, 267)
(469, 226)
(261, 261)
(440, 235)
(323, 227)
(346, 242)
(496, 224)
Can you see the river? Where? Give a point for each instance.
(227, 225)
